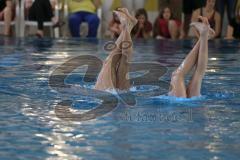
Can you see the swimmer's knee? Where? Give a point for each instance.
(178, 73)
(200, 72)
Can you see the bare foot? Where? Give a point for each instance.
(126, 19)
(203, 27)
(132, 18)
(121, 16)
(39, 34)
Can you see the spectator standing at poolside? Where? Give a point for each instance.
(213, 16)
(83, 11)
(143, 29)
(234, 31)
(166, 26)
(6, 14)
(229, 5)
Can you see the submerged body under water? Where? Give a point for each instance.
(44, 92)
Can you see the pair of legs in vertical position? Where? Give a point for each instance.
(196, 60)
(115, 68)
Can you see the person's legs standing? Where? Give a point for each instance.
(231, 4)
(231, 9)
(220, 7)
(41, 11)
(7, 17)
(187, 11)
(48, 10)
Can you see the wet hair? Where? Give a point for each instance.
(140, 12)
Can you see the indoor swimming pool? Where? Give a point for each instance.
(49, 109)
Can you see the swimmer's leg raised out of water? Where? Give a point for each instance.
(197, 57)
(194, 87)
(127, 50)
(178, 87)
(115, 68)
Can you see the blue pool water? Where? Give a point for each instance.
(141, 124)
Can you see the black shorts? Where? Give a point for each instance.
(190, 5)
(236, 28)
(236, 32)
(2, 5)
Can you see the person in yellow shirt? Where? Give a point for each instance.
(83, 11)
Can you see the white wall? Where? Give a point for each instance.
(133, 5)
(107, 16)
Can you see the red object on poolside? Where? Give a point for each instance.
(163, 27)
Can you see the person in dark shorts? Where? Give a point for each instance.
(234, 31)
(42, 11)
(229, 6)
